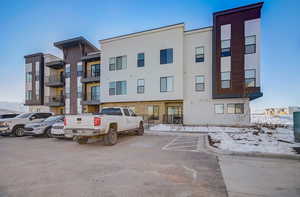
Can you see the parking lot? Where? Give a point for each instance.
(136, 166)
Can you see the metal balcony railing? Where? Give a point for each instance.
(54, 80)
(91, 98)
(54, 101)
(90, 77)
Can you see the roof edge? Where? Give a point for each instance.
(79, 39)
(238, 9)
(33, 55)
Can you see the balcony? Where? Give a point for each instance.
(55, 81)
(90, 77)
(90, 99)
(59, 64)
(55, 101)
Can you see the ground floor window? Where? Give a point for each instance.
(153, 112)
(235, 108)
(219, 108)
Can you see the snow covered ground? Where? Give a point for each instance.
(204, 129)
(265, 119)
(280, 141)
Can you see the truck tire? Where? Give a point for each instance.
(140, 131)
(82, 140)
(18, 131)
(111, 138)
(47, 132)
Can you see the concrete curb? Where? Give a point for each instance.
(249, 154)
(173, 133)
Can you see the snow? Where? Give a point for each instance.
(263, 142)
(280, 119)
(204, 129)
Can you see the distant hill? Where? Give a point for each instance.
(12, 107)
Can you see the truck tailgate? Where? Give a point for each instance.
(79, 122)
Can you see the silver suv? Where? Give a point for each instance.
(15, 126)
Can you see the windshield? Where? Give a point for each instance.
(26, 115)
(53, 118)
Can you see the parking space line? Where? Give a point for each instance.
(181, 143)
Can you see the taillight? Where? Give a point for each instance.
(97, 121)
(65, 121)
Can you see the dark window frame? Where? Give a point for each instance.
(250, 78)
(140, 88)
(199, 57)
(198, 84)
(166, 56)
(226, 80)
(250, 46)
(140, 61)
(225, 52)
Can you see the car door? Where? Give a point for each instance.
(128, 119)
(35, 118)
(134, 119)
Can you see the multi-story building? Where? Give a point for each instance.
(58, 84)
(168, 74)
(200, 76)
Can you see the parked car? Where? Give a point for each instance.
(58, 131)
(42, 128)
(16, 125)
(107, 124)
(5, 116)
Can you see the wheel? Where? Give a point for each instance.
(140, 131)
(111, 138)
(18, 131)
(47, 132)
(82, 140)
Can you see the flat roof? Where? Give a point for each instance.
(74, 41)
(144, 31)
(238, 9)
(33, 55)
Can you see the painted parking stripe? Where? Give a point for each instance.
(181, 143)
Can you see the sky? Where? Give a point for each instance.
(33, 26)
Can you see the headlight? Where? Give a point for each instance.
(4, 124)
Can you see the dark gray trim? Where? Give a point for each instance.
(33, 55)
(141, 31)
(74, 41)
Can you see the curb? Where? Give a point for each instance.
(149, 132)
(249, 154)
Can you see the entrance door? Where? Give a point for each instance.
(175, 115)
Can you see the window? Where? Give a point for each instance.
(68, 71)
(118, 63)
(166, 56)
(140, 60)
(79, 90)
(219, 108)
(166, 84)
(28, 95)
(199, 83)
(112, 111)
(95, 70)
(225, 79)
(199, 56)
(250, 44)
(153, 112)
(117, 88)
(225, 48)
(140, 86)
(28, 77)
(250, 78)
(126, 112)
(95, 93)
(79, 69)
(236, 108)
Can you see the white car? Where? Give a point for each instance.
(58, 131)
(107, 124)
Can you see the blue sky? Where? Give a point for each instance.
(32, 26)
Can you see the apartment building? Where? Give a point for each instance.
(201, 76)
(62, 85)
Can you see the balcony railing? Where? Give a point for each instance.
(90, 98)
(55, 101)
(90, 77)
(54, 80)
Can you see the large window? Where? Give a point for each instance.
(95, 93)
(68, 71)
(235, 108)
(95, 70)
(117, 88)
(118, 63)
(250, 78)
(79, 69)
(153, 112)
(140, 86)
(199, 83)
(199, 56)
(225, 79)
(28, 95)
(225, 48)
(219, 108)
(140, 60)
(250, 44)
(166, 56)
(166, 84)
(28, 77)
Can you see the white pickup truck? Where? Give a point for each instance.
(107, 124)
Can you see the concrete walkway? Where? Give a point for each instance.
(250, 176)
